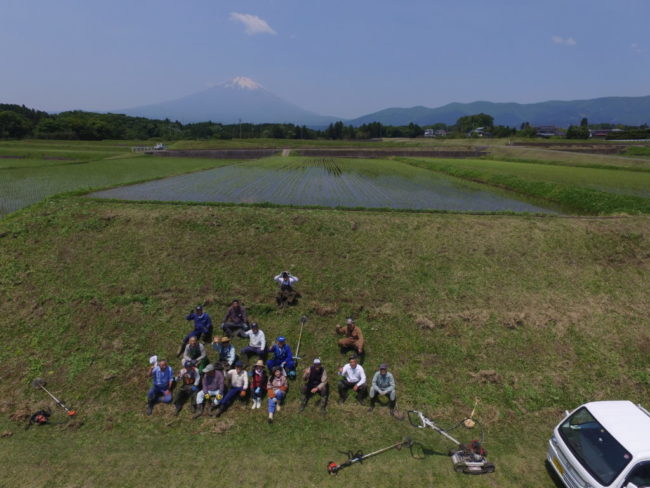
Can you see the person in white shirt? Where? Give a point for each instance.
(353, 378)
(286, 294)
(256, 342)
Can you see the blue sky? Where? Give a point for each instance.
(343, 58)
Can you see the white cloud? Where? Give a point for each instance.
(636, 48)
(569, 41)
(252, 23)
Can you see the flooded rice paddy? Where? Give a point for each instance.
(326, 182)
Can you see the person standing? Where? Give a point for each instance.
(258, 380)
(202, 328)
(315, 378)
(353, 378)
(383, 383)
(256, 342)
(236, 320)
(237, 385)
(161, 390)
(277, 390)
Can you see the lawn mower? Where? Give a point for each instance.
(467, 458)
(359, 457)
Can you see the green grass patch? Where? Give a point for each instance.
(531, 315)
(582, 190)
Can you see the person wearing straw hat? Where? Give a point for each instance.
(315, 378)
(383, 384)
(225, 351)
(257, 383)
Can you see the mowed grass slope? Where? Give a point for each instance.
(530, 315)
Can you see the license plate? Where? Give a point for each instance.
(558, 465)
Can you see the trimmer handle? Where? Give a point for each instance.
(416, 419)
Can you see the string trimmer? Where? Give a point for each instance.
(303, 321)
(40, 383)
(359, 457)
(466, 458)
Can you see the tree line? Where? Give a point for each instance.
(18, 122)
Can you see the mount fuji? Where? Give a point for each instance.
(239, 99)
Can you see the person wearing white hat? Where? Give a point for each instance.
(315, 378)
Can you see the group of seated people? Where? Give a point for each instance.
(220, 382)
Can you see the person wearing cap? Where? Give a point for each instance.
(237, 386)
(195, 354)
(353, 336)
(225, 351)
(353, 378)
(257, 383)
(213, 387)
(202, 328)
(383, 383)
(276, 388)
(236, 320)
(315, 378)
(286, 294)
(187, 382)
(161, 390)
(282, 355)
(256, 342)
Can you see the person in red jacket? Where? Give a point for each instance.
(257, 383)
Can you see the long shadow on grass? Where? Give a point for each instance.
(419, 451)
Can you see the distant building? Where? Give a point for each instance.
(602, 133)
(435, 133)
(549, 131)
(479, 132)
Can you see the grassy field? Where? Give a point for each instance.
(581, 190)
(531, 315)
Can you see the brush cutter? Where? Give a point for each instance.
(359, 457)
(40, 383)
(303, 321)
(466, 458)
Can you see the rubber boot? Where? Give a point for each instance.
(323, 405)
(199, 412)
(373, 400)
(150, 407)
(220, 411)
(181, 350)
(270, 420)
(178, 409)
(391, 407)
(303, 403)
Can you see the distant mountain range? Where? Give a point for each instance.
(244, 99)
(612, 110)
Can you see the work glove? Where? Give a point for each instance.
(195, 388)
(258, 391)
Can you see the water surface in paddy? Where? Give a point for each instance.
(326, 182)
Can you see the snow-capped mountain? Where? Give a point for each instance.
(240, 98)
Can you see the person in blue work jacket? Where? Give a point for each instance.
(163, 379)
(282, 356)
(202, 328)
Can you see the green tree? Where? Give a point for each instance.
(14, 125)
(470, 122)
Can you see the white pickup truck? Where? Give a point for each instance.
(603, 444)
